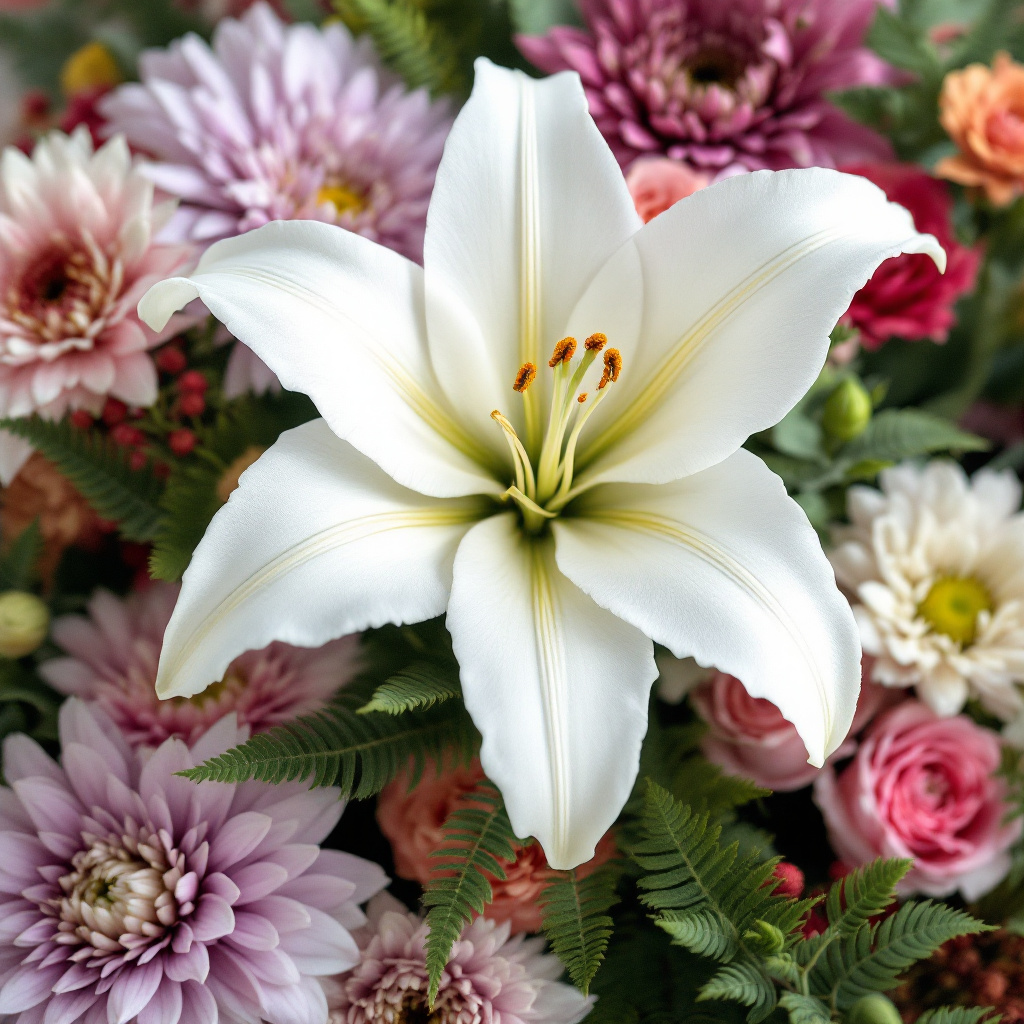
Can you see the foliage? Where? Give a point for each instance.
(191, 499)
(27, 704)
(100, 472)
(477, 839)
(18, 562)
(576, 921)
(422, 685)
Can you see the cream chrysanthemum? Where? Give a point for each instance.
(934, 563)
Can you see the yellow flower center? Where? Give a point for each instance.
(952, 607)
(344, 200)
(543, 491)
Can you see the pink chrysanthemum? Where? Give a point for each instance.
(490, 977)
(724, 85)
(112, 662)
(76, 255)
(128, 893)
(281, 122)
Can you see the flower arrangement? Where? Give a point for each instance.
(510, 512)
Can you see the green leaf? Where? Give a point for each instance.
(406, 41)
(864, 893)
(99, 471)
(901, 44)
(532, 17)
(339, 747)
(896, 434)
(576, 921)
(956, 1015)
(800, 437)
(804, 1009)
(420, 686)
(700, 931)
(743, 983)
(18, 564)
(873, 958)
(477, 839)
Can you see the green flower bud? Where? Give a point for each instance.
(24, 622)
(847, 411)
(873, 1009)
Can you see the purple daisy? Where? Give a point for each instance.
(280, 122)
(111, 661)
(491, 976)
(129, 894)
(724, 85)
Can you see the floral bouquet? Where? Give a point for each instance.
(511, 511)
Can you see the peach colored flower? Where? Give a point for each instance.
(656, 183)
(982, 109)
(412, 820)
(65, 517)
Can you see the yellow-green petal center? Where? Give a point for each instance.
(952, 607)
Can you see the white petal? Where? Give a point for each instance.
(557, 686)
(339, 318)
(741, 284)
(723, 567)
(314, 544)
(529, 202)
(14, 453)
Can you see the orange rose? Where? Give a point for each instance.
(413, 820)
(982, 109)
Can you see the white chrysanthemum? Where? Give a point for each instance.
(936, 564)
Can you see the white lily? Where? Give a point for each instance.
(561, 533)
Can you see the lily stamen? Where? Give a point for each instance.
(520, 459)
(525, 377)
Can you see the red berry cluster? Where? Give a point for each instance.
(187, 394)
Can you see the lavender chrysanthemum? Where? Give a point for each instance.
(281, 122)
(490, 977)
(724, 85)
(112, 658)
(129, 894)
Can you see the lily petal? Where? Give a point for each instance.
(340, 319)
(723, 566)
(528, 204)
(741, 284)
(557, 686)
(315, 543)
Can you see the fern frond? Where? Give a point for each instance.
(700, 931)
(422, 685)
(956, 1015)
(576, 921)
(872, 959)
(477, 839)
(689, 871)
(804, 1009)
(18, 563)
(99, 471)
(864, 893)
(744, 983)
(339, 747)
(405, 40)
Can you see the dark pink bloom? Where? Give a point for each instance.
(128, 893)
(923, 787)
(748, 735)
(724, 85)
(112, 656)
(908, 297)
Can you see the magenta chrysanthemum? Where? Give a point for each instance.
(490, 977)
(724, 85)
(282, 122)
(128, 893)
(112, 662)
(76, 255)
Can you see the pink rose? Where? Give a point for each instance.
(908, 297)
(656, 183)
(922, 787)
(748, 735)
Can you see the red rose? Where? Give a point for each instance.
(908, 297)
